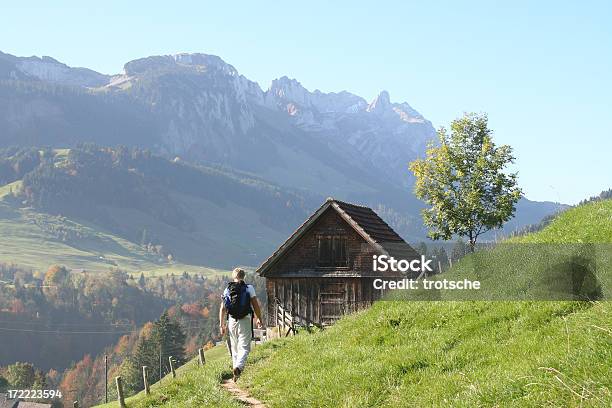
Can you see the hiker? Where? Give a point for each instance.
(239, 301)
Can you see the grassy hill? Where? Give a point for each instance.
(589, 223)
(571, 259)
(36, 240)
(95, 208)
(30, 239)
(447, 353)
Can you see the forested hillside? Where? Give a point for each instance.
(102, 306)
(63, 323)
(167, 211)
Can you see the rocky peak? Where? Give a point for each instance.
(343, 101)
(407, 112)
(285, 91)
(179, 62)
(51, 70)
(380, 104)
(211, 62)
(290, 90)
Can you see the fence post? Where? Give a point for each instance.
(120, 397)
(105, 379)
(160, 363)
(282, 311)
(172, 367)
(145, 381)
(201, 355)
(439, 267)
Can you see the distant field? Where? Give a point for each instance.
(9, 188)
(37, 240)
(33, 240)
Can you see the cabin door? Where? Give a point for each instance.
(332, 302)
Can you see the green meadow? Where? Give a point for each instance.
(38, 240)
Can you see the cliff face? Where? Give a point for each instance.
(213, 113)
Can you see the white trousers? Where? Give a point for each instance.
(240, 332)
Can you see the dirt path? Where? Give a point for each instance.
(242, 395)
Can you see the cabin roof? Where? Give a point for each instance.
(362, 219)
(6, 402)
(371, 223)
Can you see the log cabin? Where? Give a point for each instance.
(324, 269)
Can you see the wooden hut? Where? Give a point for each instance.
(324, 269)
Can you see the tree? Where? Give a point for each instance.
(57, 285)
(24, 376)
(440, 258)
(464, 182)
(146, 354)
(422, 249)
(56, 275)
(166, 338)
(169, 339)
(460, 249)
(17, 307)
(4, 384)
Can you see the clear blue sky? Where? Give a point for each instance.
(542, 70)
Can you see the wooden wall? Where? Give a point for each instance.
(319, 301)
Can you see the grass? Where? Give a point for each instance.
(30, 239)
(536, 266)
(10, 188)
(461, 354)
(590, 223)
(194, 386)
(446, 353)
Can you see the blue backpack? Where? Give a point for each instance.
(237, 302)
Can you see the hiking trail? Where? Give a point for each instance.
(241, 395)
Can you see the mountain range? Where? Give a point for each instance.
(199, 110)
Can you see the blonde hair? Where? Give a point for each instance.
(238, 273)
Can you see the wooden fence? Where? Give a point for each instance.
(284, 320)
(147, 387)
(259, 334)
